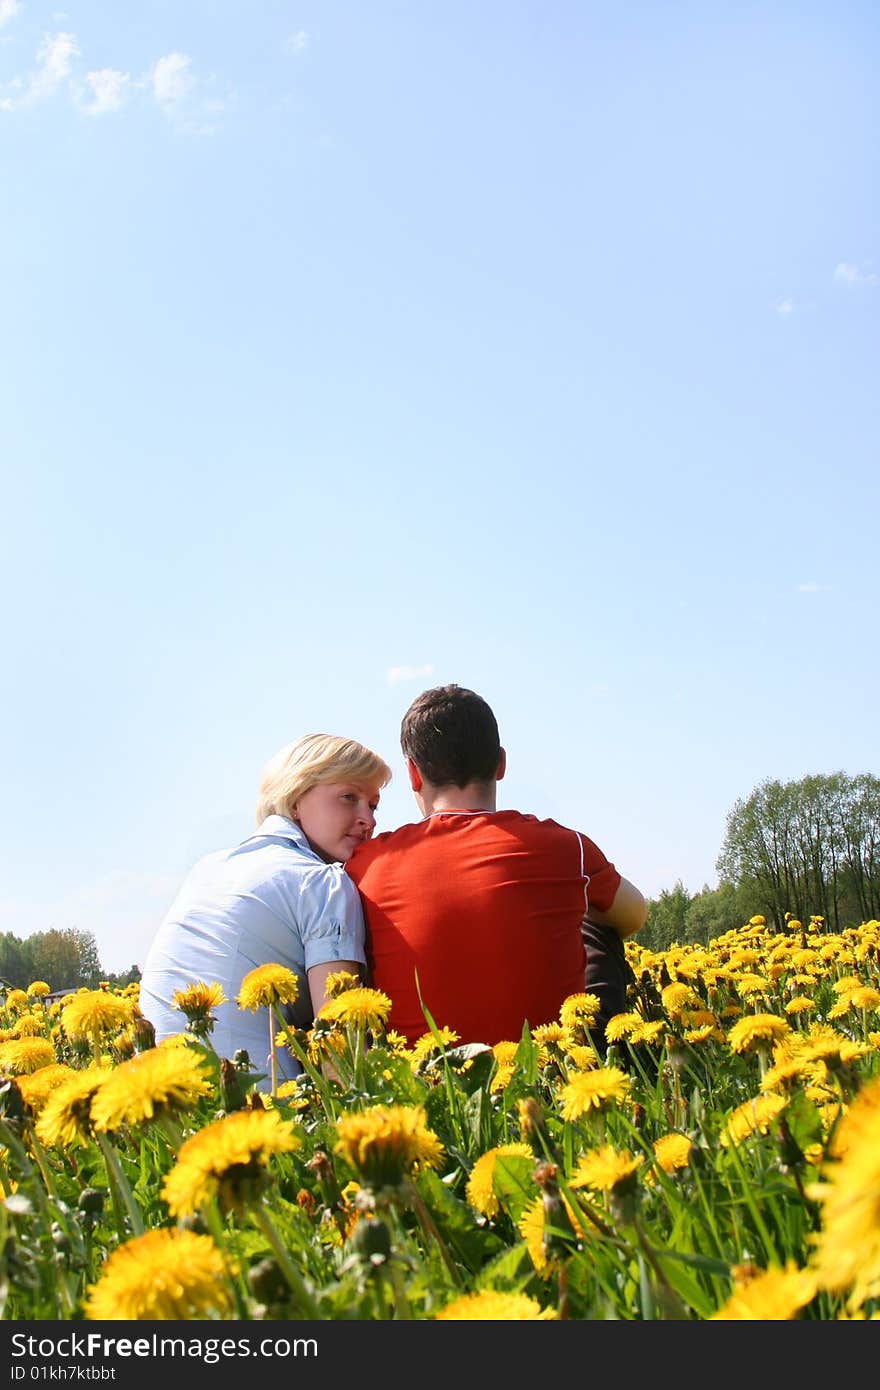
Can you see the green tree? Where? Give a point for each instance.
(808, 847)
(666, 919)
(715, 911)
(15, 962)
(63, 959)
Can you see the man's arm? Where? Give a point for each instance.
(627, 912)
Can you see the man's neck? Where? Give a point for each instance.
(476, 796)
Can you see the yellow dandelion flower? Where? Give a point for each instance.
(266, 985)
(848, 1245)
(755, 1031)
(698, 1018)
(757, 921)
(293, 1095)
(198, 1000)
(752, 1117)
(17, 1000)
(652, 1032)
(38, 989)
(579, 1010)
(160, 1081)
(548, 1034)
(583, 1056)
(678, 996)
(488, 1305)
(771, 1295)
(228, 1160)
(800, 1004)
(66, 1116)
(397, 1043)
(502, 1076)
(36, 1089)
(480, 1191)
(425, 1046)
(749, 984)
(532, 1226)
(865, 997)
(338, 981)
(740, 959)
(703, 1033)
(672, 1151)
(386, 1143)
(21, 1056)
(29, 1026)
(162, 1276)
(94, 1014)
(593, 1091)
(623, 1026)
(605, 1169)
(787, 1071)
(365, 1008)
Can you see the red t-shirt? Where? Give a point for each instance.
(487, 908)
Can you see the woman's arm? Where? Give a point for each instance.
(318, 975)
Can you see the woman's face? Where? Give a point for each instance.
(337, 816)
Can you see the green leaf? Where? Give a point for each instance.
(513, 1183)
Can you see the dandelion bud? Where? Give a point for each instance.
(90, 1202)
(231, 1090)
(266, 1281)
(371, 1241)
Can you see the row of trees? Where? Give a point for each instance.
(803, 848)
(63, 959)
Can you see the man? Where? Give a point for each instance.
(477, 910)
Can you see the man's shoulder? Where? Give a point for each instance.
(387, 841)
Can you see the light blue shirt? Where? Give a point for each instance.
(270, 900)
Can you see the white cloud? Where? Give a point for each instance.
(407, 673)
(172, 81)
(109, 88)
(848, 274)
(54, 62)
(297, 43)
(55, 58)
(810, 587)
(784, 306)
(8, 8)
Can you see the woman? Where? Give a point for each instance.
(280, 897)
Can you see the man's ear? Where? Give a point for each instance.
(502, 766)
(415, 777)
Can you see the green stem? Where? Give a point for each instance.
(289, 1270)
(321, 1085)
(401, 1302)
(119, 1185)
(429, 1227)
(273, 1060)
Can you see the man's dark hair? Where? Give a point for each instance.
(452, 737)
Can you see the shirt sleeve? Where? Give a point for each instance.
(604, 880)
(331, 918)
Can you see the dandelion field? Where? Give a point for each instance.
(720, 1161)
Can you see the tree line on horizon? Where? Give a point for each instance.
(792, 850)
(63, 959)
(800, 849)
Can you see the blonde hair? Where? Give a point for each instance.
(310, 760)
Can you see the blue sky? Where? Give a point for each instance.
(353, 349)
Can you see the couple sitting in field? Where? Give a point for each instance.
(493, 917)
